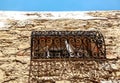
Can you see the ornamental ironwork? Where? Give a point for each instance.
(67, 44)
(57, 55)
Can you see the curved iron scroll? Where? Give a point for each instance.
(67, 44)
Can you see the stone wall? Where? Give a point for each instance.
(15, 39)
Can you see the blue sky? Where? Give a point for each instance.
(59, 5)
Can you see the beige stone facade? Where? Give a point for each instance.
(15, 39)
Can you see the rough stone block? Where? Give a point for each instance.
(63, 81)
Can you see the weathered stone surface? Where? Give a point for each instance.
(23, 23)
(15, 69)
(4, 26)
(110, 81)
(63, 81)
(10, 50)
(7, 36)
(2, 75)
(24, 45)
(118, 74)
(1, 54)
(16, 40)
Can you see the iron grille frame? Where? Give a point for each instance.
(36, 63)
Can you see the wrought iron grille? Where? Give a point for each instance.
(58, 53)
(67, 44)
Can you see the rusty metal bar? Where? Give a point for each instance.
(75, 59)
